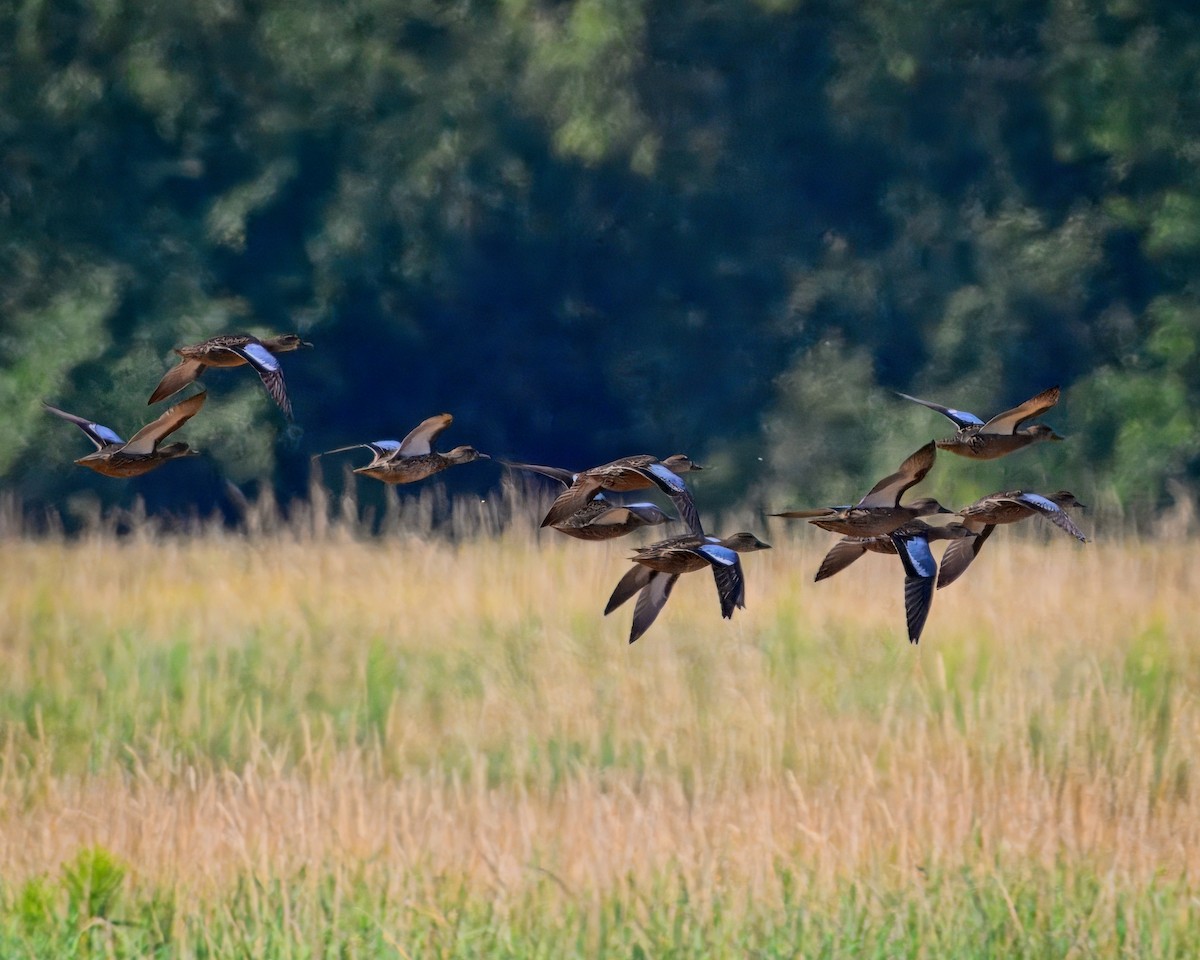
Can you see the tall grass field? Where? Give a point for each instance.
(310, 743)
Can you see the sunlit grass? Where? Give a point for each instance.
(297, 745)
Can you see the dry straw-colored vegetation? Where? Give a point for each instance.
(310, 742)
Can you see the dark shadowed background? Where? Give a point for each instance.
(603, 227)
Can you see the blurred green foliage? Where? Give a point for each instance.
(594, 228)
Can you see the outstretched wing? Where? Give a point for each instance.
(808, 514)
(269, 371)
(98, 433)
(960, 553)
(1052, 512)
(622, 513)
(648, 513)
(1009, 420)
(636, 577)
(145, 440)
(651, 601)
(420, 438)
(673, 486)
(887, 492)
(727, 572)
(572, 500)
(840, 556)
(175, 379)
(960, 417)
(565, 477)
(920, 569)
(381, 448)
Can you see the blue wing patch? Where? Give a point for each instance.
(919, 555)
(718, 554)
(1035, 500)
(667, 478)
(260, 356)
(107, 434)
(963, 418)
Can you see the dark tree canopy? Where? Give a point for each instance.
(590, 228)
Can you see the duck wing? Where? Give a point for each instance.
(175, 379)
(1052, 512)
(920, 569)
(565, 477)
(266, 364)
(636, 577)
(961, 418)
(727, 572)
(382, 449)
(572, 500)
(419, 440)
(887, 492)
(840, 556)
(960, 553)
(98, 433)
(673, 486)
(1009, 420)
(145, 440)
(651, 601)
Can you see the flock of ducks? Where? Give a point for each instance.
(878, 523)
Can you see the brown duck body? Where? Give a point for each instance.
(626, 474)
(143, 452)
(623, 475)
(605, 520)
(414, 468)
(876, 521)
(598, 518)
(413, 458)
(990, 446)
(675, 554)
(880, 511)
(117, 463)
(999, 436)
(1009, 506)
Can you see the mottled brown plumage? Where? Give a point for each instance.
(233, 350)
(142, 453)
(659, 565)
(1009, 506)
(599, 518)
(413, 458)
(879, 512)
(999, 436)
(638, 472)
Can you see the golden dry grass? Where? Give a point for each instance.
(410, 709)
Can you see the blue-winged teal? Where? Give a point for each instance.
(638, 472)
(1009, 506)
(413, 458)
(1001, 435)
(599, 518)
(879, 512)
(233, 350)
(911, 543)
(658, 566)
(115, 457)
